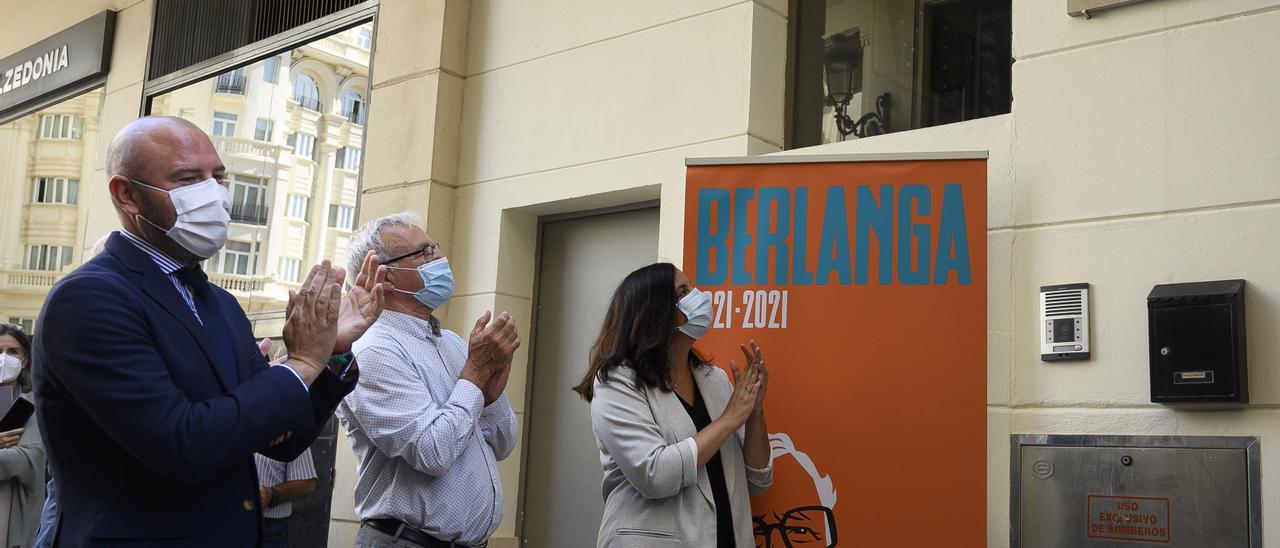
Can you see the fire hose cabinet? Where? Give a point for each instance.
(1196, 333)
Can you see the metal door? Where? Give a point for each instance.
(582, 261)
(1125, 491)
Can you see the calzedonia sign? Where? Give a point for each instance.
(64, 64)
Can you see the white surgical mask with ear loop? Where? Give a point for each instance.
(203, 213)
(10, 368)
(696, 305)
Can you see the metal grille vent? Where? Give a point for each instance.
(1064, 303)
(187, 32)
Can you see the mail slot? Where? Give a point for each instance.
(1196, 333)
(1114, 491)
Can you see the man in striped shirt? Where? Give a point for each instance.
(279, 484)
(149, 383)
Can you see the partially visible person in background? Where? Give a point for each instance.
(22, 460)
(279, 484)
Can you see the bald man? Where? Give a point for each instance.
(151, 390)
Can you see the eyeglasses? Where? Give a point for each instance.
(428, 252)
(798, 528)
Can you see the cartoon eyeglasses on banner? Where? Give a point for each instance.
(801, 526)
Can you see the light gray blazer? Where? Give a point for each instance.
(654, 492)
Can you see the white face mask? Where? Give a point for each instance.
(696, 306)
(10, 368)
(203, 213)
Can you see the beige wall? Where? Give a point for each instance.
(514, 111)
(1140, 150)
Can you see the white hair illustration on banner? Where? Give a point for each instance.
(795, 526)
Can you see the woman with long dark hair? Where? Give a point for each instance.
(21, 449)
(681, 447)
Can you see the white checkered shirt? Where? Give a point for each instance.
(426, 447)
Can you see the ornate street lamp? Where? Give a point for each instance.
(842, 65)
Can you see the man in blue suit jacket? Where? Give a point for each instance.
(152, 393)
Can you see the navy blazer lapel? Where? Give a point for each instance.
(159, 288)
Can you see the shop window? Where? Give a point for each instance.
(55, 190)
(342, 216)
(306, 93)
(224, 124)
(48, 257)
(61, 126)
(869, 67)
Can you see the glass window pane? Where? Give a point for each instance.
(73, 192)
(869, 67)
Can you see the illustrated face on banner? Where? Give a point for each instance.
(865, 285)
(809, 518)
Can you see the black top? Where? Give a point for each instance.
(715, 473)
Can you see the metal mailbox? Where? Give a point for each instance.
(1131, 491)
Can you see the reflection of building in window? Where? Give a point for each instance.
(306, 93)
(347, 158)
(289, 269)
(231, 82)
(248, 199)
(271, 70)
(61, 126)
(342, 216)
(55, 190)
(224, 124)
(286, 147)
(353, 107)
(866, 67)
(44, 158)
(264, 130)
(303, 144)
(235, 258)
(364, 38)
(48, 257)
(297, 207)
(28, 325)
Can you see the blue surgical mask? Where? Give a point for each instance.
(696, 306)
(437, 283)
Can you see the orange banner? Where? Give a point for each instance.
(865, 284)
